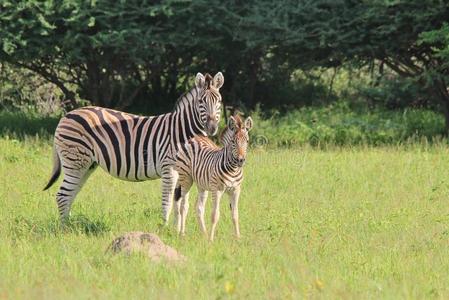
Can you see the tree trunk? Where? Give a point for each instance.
(229, 88)
(69, 102)
(253, 74)
(127, 100)
(156, 90)
(92, 84)
(331, 84)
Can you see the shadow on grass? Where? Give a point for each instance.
(82, 225)
(78, 224)
(19, 125)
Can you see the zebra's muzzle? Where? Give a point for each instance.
(241, 162)
(211, 128)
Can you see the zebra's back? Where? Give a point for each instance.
(202, 162)
(123, 144)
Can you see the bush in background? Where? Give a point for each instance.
(24, 91)
(339, 124)
(335, 124)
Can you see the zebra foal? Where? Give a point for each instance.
(214, 169)
(132, 147)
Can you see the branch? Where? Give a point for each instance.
(397, 68)
(124, 103)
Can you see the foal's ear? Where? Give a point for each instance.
(232, 123)
(248, 123)
(200, 81)
(218, 80)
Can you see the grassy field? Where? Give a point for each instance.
(338, 223)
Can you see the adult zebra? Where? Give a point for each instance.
(132, 147)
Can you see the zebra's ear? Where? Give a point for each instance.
(200, 81)
(231, 123)
(248, 123)
(218, 80)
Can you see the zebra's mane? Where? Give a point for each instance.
(204, 141)
(184, 97)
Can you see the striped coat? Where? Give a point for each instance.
(132, 147)
(213, 169)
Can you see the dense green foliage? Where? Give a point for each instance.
(122, 53)
(338, 124)
(356, 223)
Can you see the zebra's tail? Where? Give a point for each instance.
(56, 169)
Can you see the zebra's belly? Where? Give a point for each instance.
(211, 187)
(210, 183)
(132, 174)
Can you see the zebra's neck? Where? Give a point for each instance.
(185, 120)
(229, 162)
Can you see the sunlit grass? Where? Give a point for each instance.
(357, 222)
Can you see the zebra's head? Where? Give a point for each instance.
(208, 103)
(236, 137)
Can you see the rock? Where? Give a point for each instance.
(147, 243)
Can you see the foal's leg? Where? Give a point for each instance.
(184, 205)
(200, 209)
(216, 196)
(235, 195)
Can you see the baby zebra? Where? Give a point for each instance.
(214, 169)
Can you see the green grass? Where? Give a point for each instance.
(356, 222)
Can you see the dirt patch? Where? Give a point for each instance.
(147, 243)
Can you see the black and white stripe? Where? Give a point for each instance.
(213, 169)
(132, 147)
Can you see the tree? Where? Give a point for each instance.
(122, 53)
(104, 51)
(395, 32)
(410, 37)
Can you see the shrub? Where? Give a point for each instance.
(338, 124)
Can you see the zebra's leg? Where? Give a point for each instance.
(216, 196)
(235, 195)
(200, 209)
(184, 206)
(72, 183)
(169, 179)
